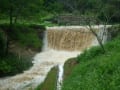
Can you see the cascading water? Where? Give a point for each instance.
(60, 43)
(60, 76)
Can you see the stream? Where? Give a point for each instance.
(60, 76)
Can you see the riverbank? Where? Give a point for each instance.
(18, 47)
(42, 64)
(50, 83)
(69, 66)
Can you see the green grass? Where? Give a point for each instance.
(96, 70)
(50, 81)
(69, 66)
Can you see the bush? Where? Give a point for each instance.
(89, 54)
(26, 36)
(11, 65)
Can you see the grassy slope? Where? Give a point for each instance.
(50, 81)
(96, 71)
(69, 66)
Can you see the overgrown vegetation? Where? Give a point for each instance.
(12, 64)
(26, 36)
(50, 82)
(96, 70)
(34, 12)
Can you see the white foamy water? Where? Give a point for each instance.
(60, 76)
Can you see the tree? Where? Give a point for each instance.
(95, 9)
(99, 38)
(110, 11)
(18, 8)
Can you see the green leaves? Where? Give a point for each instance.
(11, 65)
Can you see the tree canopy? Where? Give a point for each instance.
(28, 8)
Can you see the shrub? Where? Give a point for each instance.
(12, 64)
(89, 54)
(26, 36)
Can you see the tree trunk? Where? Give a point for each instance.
(98, 38)
(10, 27)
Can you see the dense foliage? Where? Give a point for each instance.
(35, 10)
(12, 64)
(19, 8)
(25, 36)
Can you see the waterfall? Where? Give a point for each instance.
(74, 38)
(60, 44)
(69, 39)
(45, 42)
(60, 76)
